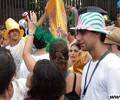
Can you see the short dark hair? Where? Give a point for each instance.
(58, 51)
(7, 69)
(102, 37)
(47, 82)
(39, 44)
(77, 45)
(118, 47)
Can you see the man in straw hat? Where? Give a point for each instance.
(113, 39)
(16, 43)
(101, 75)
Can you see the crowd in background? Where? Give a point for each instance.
(83, 64)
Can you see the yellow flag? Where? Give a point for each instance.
(57, 15)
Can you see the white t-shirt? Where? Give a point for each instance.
(105, 81)
(20, 89)
(17, 52)
(23, 72)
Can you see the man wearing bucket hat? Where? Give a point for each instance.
(113, 39)
(101, 75)
(16, 43)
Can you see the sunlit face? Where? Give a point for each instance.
(86, 39)
(74, 53)
(14, 34)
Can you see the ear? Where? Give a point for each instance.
(97, 35)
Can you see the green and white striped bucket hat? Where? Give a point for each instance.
(92, 21)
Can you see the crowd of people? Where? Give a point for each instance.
(36, 65)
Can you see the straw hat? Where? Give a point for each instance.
(92, 21)
(11, 24)
(114, 36)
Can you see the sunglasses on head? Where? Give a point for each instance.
(84, 31)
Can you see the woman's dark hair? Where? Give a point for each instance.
(7, 69)
(39, 44)
(47, 82)
(77, 45)
(58, 51)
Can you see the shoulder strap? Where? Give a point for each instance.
(74, 84)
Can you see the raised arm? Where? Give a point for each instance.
(42, 18)
(28, 59)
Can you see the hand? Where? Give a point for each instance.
(33, 17)
(31, 22)
(61, 33)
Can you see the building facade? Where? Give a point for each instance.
(14, 8)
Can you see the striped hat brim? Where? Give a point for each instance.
(90, 29)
